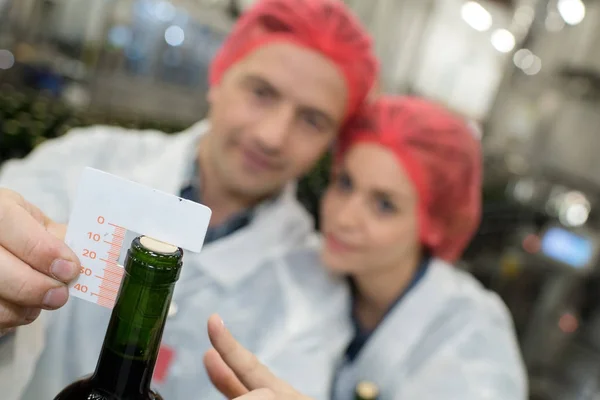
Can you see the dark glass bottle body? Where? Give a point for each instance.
(130, 349)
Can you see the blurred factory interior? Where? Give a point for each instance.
(525, 72)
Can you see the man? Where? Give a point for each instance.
(290, 75)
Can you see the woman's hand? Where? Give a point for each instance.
(237, 373)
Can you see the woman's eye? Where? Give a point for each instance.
(385, 206)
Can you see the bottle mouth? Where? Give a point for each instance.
(367, 390)
(151, 257)
(157, 246)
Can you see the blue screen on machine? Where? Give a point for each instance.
(568, 248)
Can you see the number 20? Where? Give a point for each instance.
(90, 254)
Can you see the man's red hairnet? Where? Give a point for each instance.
(326, 26)
(442, 157)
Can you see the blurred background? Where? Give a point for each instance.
(526, 73)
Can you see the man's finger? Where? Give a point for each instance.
(258, 394)
(27, 238)
(222, 377)
(12, 316)
(57, 230)
(26, 287)
(251, 373)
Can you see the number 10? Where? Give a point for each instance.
(94, 236)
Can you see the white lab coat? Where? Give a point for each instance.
(448, 339)
(291, 318)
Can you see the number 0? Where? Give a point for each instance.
(100, 219)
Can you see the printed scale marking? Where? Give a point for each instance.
(110, 243)
(98, 226)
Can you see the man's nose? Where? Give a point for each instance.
(275, 129)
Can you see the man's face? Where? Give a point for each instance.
(272, 116)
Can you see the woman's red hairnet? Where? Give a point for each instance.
(326, 26)
(442, 157)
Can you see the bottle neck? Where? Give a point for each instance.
(134, 333)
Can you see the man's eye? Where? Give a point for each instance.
(343, 182)
(313, 122)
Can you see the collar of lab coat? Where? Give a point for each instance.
(436, 321)
(277, 226)
(404, 326)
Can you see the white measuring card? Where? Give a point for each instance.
(106, 209)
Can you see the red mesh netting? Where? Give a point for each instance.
(326, 26)
(441, 155)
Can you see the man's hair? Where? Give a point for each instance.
(325, 26)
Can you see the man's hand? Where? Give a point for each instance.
(237, 373)
(35, 263)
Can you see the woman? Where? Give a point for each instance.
(402, 206)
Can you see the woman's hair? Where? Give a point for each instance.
(442, 156)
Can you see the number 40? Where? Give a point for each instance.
(81, 288)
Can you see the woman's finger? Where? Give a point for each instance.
(250, 372)
(259, 394)
(222, 377)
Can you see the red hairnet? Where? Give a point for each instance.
(326, 26)
(442, 157)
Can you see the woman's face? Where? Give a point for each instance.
(369, 213)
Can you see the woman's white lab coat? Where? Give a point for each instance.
(284, 308)
(448, 339)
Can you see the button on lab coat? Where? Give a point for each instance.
(448, 339)
(276, 300)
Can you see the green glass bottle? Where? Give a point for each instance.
(130, 349)
(366, 391)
